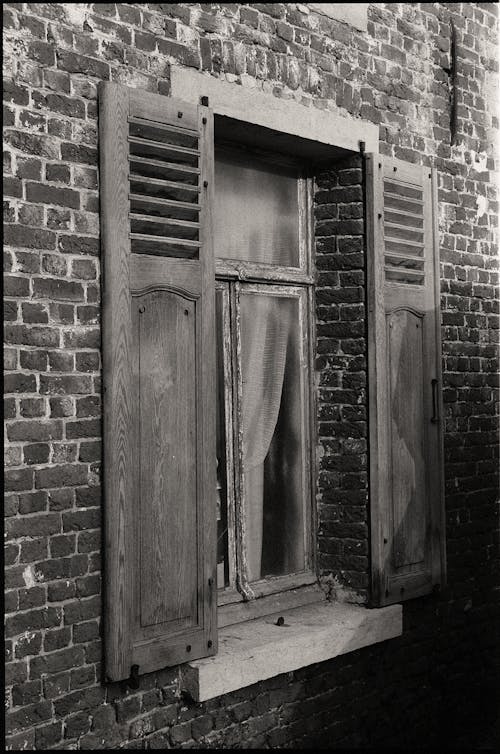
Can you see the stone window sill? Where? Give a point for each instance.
(258, 649)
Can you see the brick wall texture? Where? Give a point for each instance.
(443, 671)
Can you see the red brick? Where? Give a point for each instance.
(18, 479)
(66, 475)
(65, 384)
(31, 336)
(64, 197)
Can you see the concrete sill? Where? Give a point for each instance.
(259, 649)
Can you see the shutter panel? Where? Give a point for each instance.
(156, 163)
(404, 362)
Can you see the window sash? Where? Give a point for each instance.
(234, 269)
(240, 589)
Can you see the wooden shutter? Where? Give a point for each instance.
(404, 362)
(156, 163)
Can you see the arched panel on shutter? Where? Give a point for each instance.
(156, 171)
(404, 362)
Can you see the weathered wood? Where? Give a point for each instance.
(236, 612)
(167, 247)
(164, 132)
(438, 512)
(155, 206)
(148, 186)
(158, 404)
(160, 109)
(403, 358)
(169, 170)
(225, 397)
(377, 404)
(164, 227)
(206, 510)
(153, 149)
(152, 272)
(407, 436)
(253, 272)
(166, 391)
(242, 583)
(276, 584)
(117, 377)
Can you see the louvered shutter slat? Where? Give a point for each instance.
(158, 361)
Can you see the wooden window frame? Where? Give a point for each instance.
(239, 600)
(259, 118)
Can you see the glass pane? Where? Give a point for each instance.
(256, 211)
(222, 526)
(272, 434)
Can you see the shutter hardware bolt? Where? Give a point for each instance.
(205, 184)
(179, 114)
(188, 648)
(209, 643)
(204, 121)
(133, 681)
(280, 621)
(142, 309)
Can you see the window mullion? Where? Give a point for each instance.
(241, 555)
(226, 398)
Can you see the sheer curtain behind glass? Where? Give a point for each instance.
(257, 220)
(256, 211)
(271, 422)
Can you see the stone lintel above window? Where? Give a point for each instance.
(354, 14)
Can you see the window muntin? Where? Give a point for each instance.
(264, 469)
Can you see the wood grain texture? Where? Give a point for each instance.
(438, 513)
(404, 357)
(225, 408)
(156, 107)
(117, 378)
(168, 458)
(377, 396)
(207, 480)
(407, 437)
(159, 433)
(148, 271)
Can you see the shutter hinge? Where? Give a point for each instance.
(133, 681)
(204, 100)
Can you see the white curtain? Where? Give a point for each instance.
(265, 328)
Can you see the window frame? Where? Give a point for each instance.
(233, 276)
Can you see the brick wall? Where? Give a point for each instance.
(421, 687)
(343, 516)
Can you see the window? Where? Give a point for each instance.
(208, 410)
(263, 319)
